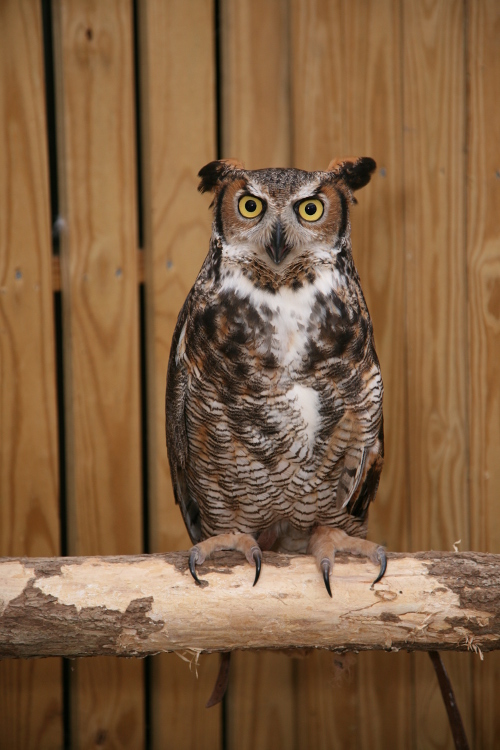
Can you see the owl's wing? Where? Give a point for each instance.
(177, 442)
(358, 482)
(352, 472)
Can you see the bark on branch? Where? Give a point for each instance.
(134, 606)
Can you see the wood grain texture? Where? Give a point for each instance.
(181, 687)
(260, 701)
(31, 709)
(347, 99)
(327, 702)
(318, 83)
(385, 699)
(255, 123)
(483, 255)
(95, 103)
(30, 694)
(56, 270)
(434, 148)
(178, 113)
(256, 128)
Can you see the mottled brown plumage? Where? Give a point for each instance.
(274, 392)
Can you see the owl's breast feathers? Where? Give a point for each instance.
(275, 399)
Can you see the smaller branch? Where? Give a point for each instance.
(454, 717)
(134, 606)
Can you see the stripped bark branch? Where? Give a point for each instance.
(134, 606)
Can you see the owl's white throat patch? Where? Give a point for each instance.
(288, 310)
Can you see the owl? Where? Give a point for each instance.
(274, 391)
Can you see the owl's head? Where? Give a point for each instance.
(276, 215)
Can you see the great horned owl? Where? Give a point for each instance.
(274, 392)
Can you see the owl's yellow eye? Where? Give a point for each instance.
(311, 209)
(250, 207)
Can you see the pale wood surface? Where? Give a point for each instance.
(30, 694)
(178, 114)
(56, 270)
(483, 253)
(95, 101)
(347, 100)
(137, 605)
(434, 164)
(318, 86)
(256, 126)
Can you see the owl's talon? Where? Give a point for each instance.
(257, 556)
(383, 565)
(193, 557)
(325, 567)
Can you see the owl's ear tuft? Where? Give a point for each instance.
(211, 174)
(355, 172)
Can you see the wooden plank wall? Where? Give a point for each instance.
(31, 695)
(434, 162)
(483, 313)
(94, 70)
(146, 93)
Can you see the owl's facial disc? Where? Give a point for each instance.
(277, 248)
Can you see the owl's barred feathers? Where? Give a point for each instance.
(274, 392)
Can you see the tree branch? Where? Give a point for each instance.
(134, 606)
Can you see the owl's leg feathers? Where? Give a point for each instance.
(242, 542)
(325, 541)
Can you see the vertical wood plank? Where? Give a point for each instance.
(255, 123)
(434, 147)
(327, 702)
(260, 702)
(180, 690)
(30, 692)
(346, 85)
(318, 85)
(256, 128)
(483, 249)
(178, 115)
(95, 101)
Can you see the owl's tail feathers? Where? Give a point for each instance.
(222, 680)
(325, 541)
(242, 542)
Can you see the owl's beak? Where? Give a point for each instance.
(277, 249)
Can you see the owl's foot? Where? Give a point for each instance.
(325, 541)
(242, 542)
